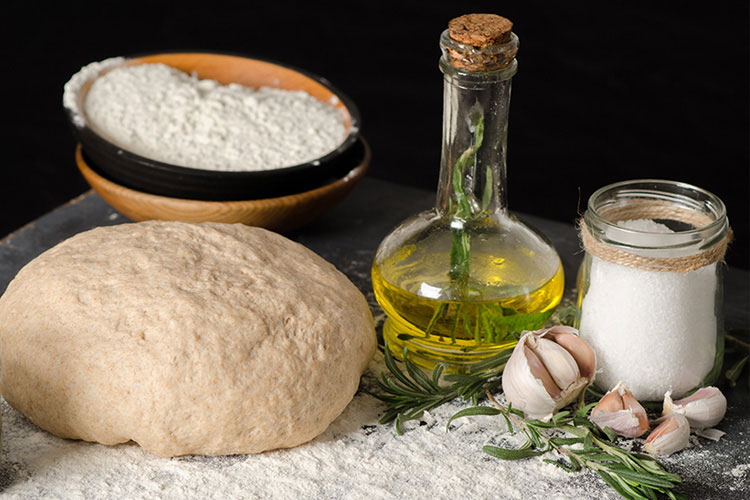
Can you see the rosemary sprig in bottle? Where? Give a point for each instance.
(486, 325)
(462, 212)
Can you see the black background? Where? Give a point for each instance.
(606, 91)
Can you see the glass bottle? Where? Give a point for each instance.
(650, 286)
(457, 281)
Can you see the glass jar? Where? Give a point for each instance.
(456, 282)
(650, 286)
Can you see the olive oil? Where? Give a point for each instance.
(509, 291)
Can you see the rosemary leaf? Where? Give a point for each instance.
(489, 184)
(455, 325)
(616, 485)
(477, 322)
(434, 318)
(511, 454)
(479, 133)
(466, 321)
(610, 433)
(396, 372)
(475, 410)
(560, 441)
(733, 374)
(642, 478)
(420, 378)
(584, 410)
(559, 416)
(574, 466)
(437, 372)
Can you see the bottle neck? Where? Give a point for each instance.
(475, 128)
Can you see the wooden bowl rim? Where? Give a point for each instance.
(97, 181)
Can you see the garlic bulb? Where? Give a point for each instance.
(621, 412)
(703, 409)
(671, 435)
(547, 370)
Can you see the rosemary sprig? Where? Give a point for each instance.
(486, 325)
(410, 392)
(737, 352)
(462, 212)
(582, 444)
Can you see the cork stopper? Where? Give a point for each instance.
(481, 42)
(480, 30)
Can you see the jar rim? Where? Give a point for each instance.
(684, 197)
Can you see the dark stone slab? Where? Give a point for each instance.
(349, 236)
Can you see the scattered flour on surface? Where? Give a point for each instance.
(164, 114)
(741, 470)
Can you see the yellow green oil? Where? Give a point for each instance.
(438, 322)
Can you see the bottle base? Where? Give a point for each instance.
(455, 357)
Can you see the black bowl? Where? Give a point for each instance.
(155, 177)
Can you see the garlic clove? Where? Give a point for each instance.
(571, 393)
(703, 409)
(623, 423)
(561, 366)
(671, 435)
(522, 388)
(539, 370)
(531, 376)
(610, 403)
(581, 351)
(668, 407)
(632, 405)
(621, 412)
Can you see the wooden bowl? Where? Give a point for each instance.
(144, 174)
(281, 214)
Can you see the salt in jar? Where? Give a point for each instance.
(650, 286)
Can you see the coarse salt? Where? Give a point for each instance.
(655, 331)
(164, 114)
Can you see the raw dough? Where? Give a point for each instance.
(185, 338)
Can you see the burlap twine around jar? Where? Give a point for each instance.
(652, 209)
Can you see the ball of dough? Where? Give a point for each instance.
(206, 339)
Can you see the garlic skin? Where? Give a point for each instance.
(621, 412)
(671, 435)
(547, 370)
(703, 409)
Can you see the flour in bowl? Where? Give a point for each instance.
(167, 115)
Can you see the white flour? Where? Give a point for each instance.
(164, 114)
(70, 93)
